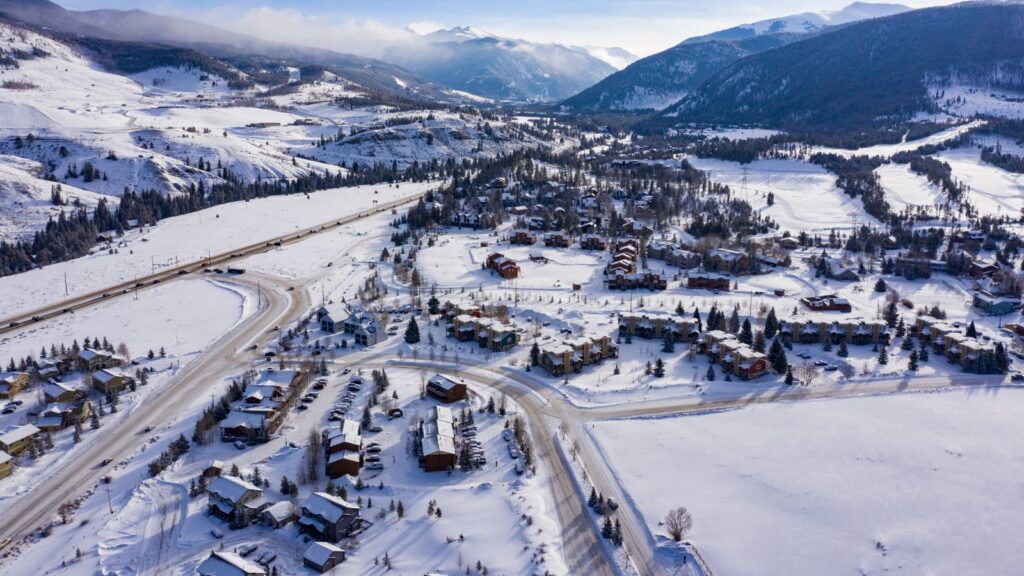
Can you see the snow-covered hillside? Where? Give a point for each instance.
(66, 120)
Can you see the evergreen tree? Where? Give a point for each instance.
(880, 285)
(412, 332)
(746, 333)
(972, 331)
(759, 342)
(659, 368)
(668, 342)
(789, 376)
(843, 350)
(883, 355)
(912, 362)
(777, 356)
(711, 373)
(535, 355)
(771, 324)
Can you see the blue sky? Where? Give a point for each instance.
(642, 26)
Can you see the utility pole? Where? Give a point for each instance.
(65, 284)
(109, 504)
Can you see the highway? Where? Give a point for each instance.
(167, 274)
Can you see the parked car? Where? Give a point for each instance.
(375, 466)
(831, 368)
(469, 433)
(611, 503)
(820, 363)
(216, 533)
(520, 468)
(375, 428)
(372, 449)
(508, 434)
(513, 451)
(239, 444)
(371, 458)
(1017, 377)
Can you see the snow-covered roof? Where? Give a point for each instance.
(18, 434)
(230, 488)
(332, 508)
(4, 457)
(104, 376)
(55, 389)
(10, 377)
(320, 552)
(244, 420)
(281, 511)
(343, 455)
(229, 564)
(437, 444)
(444, 383)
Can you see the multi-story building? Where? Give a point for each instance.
(655, 325)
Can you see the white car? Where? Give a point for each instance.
(372, 449)
(374, 466)
(513, 451)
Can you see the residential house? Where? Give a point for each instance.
(328, 518)
(734, 356)
(6, 464)
(654, 325)
(323, 556)
(708, 281)
(19, 439)
(826, 303)
(505, 267)
(263, 406)
(364, 328)
(557, 240)
(573, 355)
(54, 391)
(235, 501)
(733, 261)
(107, 382)
(523, 237)
(673, 255)
(91, 359)
(11, 383)
(446, 389)
(853, 331)
(60, 415)
(280, 515)
(994, 305)
(437, 440)
(229, 564)
(332, 317)
(488, 333)
(593, 242)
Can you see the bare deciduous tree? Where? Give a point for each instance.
(678, 521)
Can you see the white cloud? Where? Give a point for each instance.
(334, 32)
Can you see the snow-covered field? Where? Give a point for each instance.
(181, 318)
(806, 197)
(904, 188)
(917, 484)
(887, 150)
(993, 191)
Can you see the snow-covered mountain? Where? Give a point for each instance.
(478, 62)
(659, 80)
(212, 41)
(803, 23)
